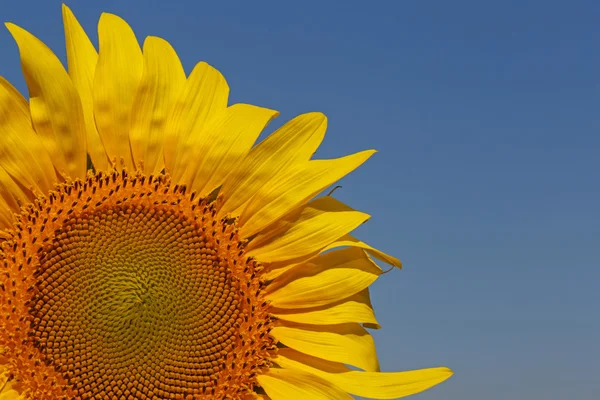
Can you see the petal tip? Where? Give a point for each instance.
(106, 17)
(18, 33)
(318, 115)
(10, 26)
(156, 41)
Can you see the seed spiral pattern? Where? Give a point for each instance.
(134, 290)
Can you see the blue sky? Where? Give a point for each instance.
(487, 180)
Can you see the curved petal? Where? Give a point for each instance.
(22, 153)
(306, 231)
(82, 58)
(56, 110)
(349, 240)
(283, 384)
(356, 308)
(294, 187)
(203, 97)
(162, 81)
(279, 268)
(344, 343)
(224, 144)
(294, 142)
(374, 385)
(116, 80)
(326, 279)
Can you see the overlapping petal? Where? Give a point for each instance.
(22, 153)
(294, 142)
(203, 97)
(293, 187)
(349, 240)
(82, 58)
(326, 279)
(378, 385)
(284, 384)
(345, 343)
(355, 308)
(56, 111)
(306, 231)
(225, 141)
(118, 74)
(162, 81)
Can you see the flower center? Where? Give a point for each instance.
(129, 288)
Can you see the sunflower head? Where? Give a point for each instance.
(150, 250)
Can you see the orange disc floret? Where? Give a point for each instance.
(127, 287)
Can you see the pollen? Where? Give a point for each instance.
(128, 287)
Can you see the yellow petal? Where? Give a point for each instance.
(349, 240)
(294, 187)
(11, 394)
(323, 280)
(344, 343)
(203, 97)
(224, 143)
(22, 153)
(12, 197)
(56, 110)
(279, 268)
(356, 308)
(7, 389)
(162, 81)
(294, 142)
(374, 385)
(306, 231)
(82, 58)
(116, 80)
(282, 384)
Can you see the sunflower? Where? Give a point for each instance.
(151, 251)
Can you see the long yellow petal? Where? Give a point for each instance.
(82, 58)
(116, 80)
(203, 97)
(349, 240)
(356, 308)
(283, 384)
(374, 385)
(292, 188)
(22, 153)
(162, 81)
(294, 142)
(279, 268)
(56, 110)
(306, 231)
(224, 143)
(326, 279)
(348, 344)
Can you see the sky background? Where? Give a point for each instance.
(486, 185)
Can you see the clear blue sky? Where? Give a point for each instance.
(486, 115)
